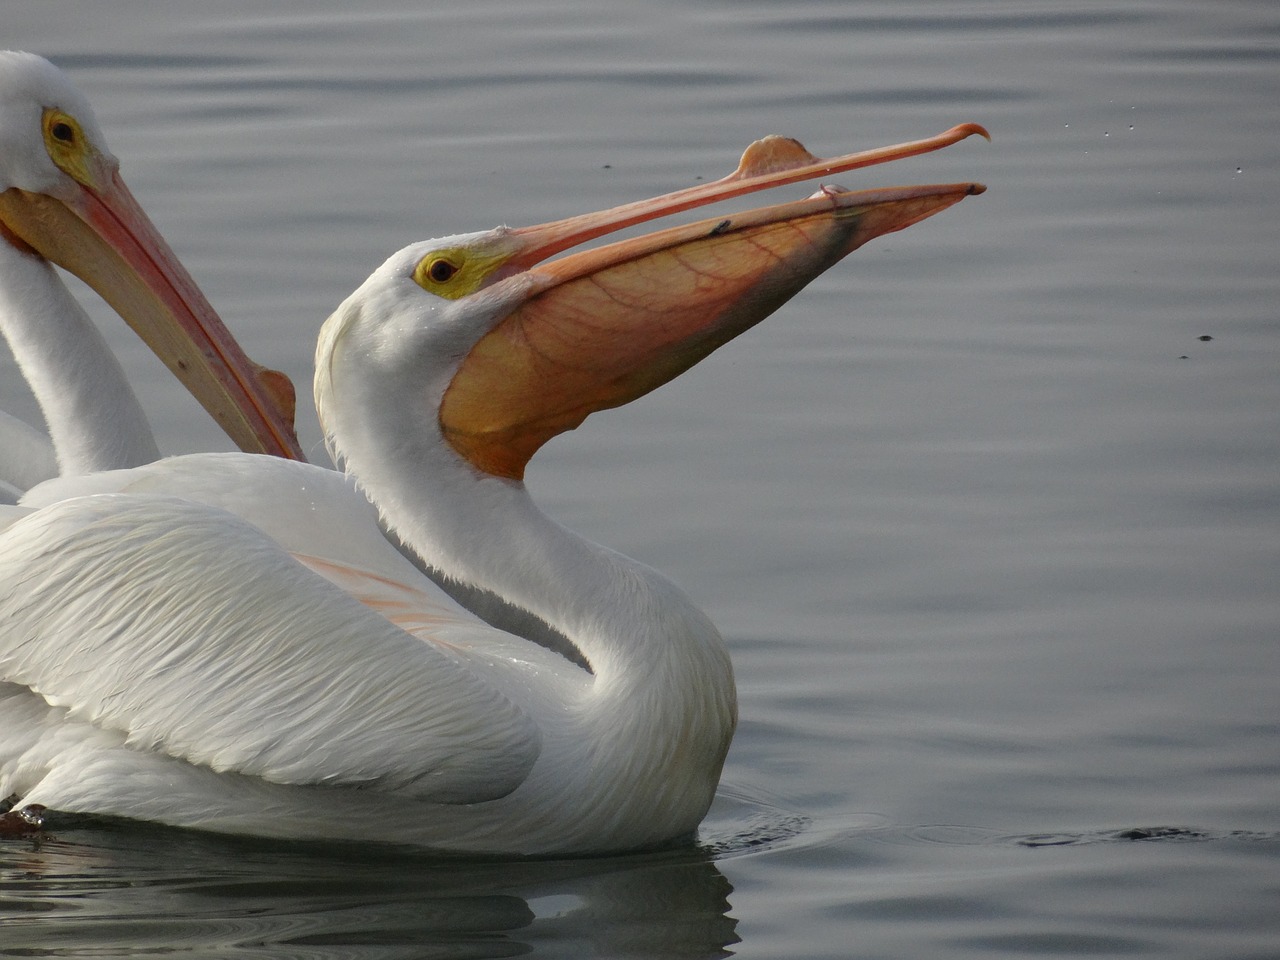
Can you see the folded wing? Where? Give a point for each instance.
(198, 636)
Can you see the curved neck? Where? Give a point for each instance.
(92, 415)
(488, 533)
(630, 623)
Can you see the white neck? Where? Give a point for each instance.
(92, 415)
(635, 628)
(640, 740)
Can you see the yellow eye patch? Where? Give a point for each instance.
(68, 147)
(456, 272)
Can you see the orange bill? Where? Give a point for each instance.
(769, 162)
(604, 326)
(99, 232)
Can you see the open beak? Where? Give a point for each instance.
(101, 235)
(599, 328)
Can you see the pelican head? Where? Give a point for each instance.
(508, 348)
(62, 199)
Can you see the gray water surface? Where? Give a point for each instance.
(989, 515)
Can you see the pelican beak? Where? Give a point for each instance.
(599, 328)
(97, 231)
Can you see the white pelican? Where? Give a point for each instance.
(62, 200)
(255, 658)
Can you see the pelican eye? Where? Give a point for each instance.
(446, 273)
(457, 272)
(61, 131)
(441, 270)
(68, 147)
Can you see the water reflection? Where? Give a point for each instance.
(128, 889)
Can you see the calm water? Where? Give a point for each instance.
(990, 524)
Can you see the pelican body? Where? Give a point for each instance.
(260, 646)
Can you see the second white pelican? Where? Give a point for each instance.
(62, 201)
(256, 658)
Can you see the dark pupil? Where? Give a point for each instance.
(441, 270)
(63, 132)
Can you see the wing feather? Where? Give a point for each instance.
(198, 636)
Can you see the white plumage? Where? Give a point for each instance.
(94, 420)
(62, 201)
(231, 642)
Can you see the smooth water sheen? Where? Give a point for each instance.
(990, 514)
